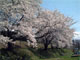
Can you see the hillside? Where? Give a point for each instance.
(18, 53)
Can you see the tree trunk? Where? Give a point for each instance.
(10, 46)
(45, 46)
(52, 46)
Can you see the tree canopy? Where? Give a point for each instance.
(35, 23)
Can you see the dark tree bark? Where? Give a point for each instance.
(10, 46)
(46, 46)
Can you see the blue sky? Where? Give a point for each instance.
(69, 8)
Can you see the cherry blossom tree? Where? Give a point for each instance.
(14, 11)
(54, 26)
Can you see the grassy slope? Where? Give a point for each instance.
(33, 54)
(37, 54)
(50, 55)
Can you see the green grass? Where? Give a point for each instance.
(36, 54)
(32, 54)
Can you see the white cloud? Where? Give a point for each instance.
(76, 35)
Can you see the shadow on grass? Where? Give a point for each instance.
(14, 54)
(26, 54)
(45, 54)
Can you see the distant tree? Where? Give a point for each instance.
(76, 43)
